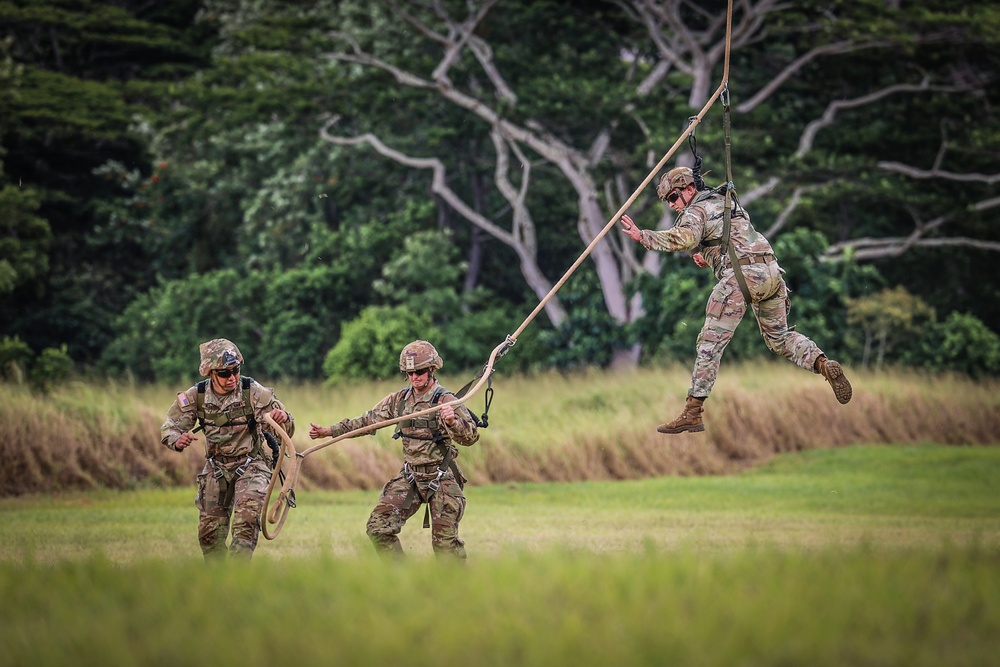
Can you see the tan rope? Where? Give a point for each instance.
(695, 120)
(286, 457)
(280, 512)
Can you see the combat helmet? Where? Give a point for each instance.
(675, 179)
(217, 354)
(419, 355)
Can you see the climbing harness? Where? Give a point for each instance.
(228, 476)
(727, 214)
(410, 473)
(732, 202)
(438, 438)
(276, 515)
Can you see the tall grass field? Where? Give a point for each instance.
(593, 425)
(794, 531)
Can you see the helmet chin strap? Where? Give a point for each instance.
(219, 386)
(686, 200)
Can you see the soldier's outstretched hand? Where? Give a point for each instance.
(317, 431)
(630, 228)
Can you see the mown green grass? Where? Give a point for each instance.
(884, 495)
(853, 556)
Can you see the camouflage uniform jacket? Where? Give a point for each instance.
(223, 441)
(703, 221)
(419, 446)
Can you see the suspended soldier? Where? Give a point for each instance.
(430, 474)
(699, 229)
(238, 460)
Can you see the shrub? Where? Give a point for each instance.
(15, 355)
(589, 336)
(51, 366)
(370, 344)
(962, 343)
(886, 320)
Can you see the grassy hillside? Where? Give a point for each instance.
(550, 427)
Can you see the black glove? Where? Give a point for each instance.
(272, 442)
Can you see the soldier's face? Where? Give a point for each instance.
(678, 199)
(225, 381)
(419, 380)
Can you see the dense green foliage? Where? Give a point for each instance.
(87, 73)
(19, 363)
(165, 179)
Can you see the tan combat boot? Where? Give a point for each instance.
(834, 374)
(690, 419)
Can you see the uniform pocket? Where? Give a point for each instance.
(199, 498)
(714, 308)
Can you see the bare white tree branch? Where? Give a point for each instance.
(800, 62)
(986, 204)
(521, 241)
(761, 190)
(790, 207)
(573, 164)
(879, 248)
(868, 249)
(694, 53)
(832, 109)
(916, 172)
(459, 36)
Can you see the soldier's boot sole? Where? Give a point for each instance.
(838, 381)
(682, 428)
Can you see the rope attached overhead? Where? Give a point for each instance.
(290, 461)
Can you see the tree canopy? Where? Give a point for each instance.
(273, 171)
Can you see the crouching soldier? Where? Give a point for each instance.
(429, 473)
(230, 409)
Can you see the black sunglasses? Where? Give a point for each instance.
(673, 196)
(422, 371)
(228, 372)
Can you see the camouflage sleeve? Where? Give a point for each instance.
(264, 401)
(384, 411)
(181, 418)
(464, 431)
(675, 239)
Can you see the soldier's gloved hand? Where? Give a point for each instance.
(279, 416)
(183, 441)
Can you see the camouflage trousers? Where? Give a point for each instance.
(237, 501)
(447, 506)
(726, 308)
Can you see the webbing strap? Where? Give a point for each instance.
(484, 421)
(446, 464)
(727, 214)
(425, 422)
(245, 411)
